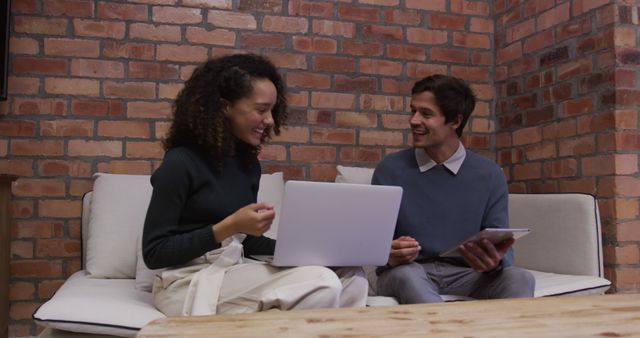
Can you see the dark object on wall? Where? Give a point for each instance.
(4, 47)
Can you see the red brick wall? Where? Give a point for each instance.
(567, 112)
(91, 84)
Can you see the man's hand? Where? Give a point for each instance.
(482, 255)
(404, 250)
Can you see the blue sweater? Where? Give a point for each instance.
(440, 209)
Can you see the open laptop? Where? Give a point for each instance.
(335, 224)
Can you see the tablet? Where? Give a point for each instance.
(494, 235)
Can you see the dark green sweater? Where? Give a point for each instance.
(188, 197)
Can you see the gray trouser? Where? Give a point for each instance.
(416, 283)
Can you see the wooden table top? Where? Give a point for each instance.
(579, 316)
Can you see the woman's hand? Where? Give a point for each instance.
(253, 219)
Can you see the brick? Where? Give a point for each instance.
(521, 30)
(628, 231)
(314, 44)
(584, 145)
(328, 63)
(356, 119)
(527, 171)
(333, 136)
(363, 84)
(538, 41)
(71, 168)
(380, 2)
(584, 6)
(579, 185)
(420, 70)
(481, 25)
(527, 136)
(285, 24)
(583, 105)
(625, 37)
(310, 8)
(145, 31)
(97, 107)
(532, 8)
(369, 155)
(555, 56)
(573, 29)
(406, 52)
(447, 22)
(349, 13)
(383, 138)
(564, 128)
(59, 208)
(477, 74)
(260, 5)
(16, 167)
(57, 248)
(36, 25)
(320, 117)
(22, 310)
(17, 128)
(21, 291)
(471, 40)
(381, 67)
(27, 65)
(332, 100)
(510, 17)
(97, 68)
(37, 148)
(230, 19)
(102, 29)
(356, 47)
(395, 121)
(47, 288)
(575, 69)
(300, 99)
(137, 167)
(477, 142)
(25, 6)
(431, 5)
(153, 70)
(125, 129)
(252, 40)
(36, 268)
(144, 150)
(94, 148)
(221, 37)
(70, 47)
(480, 125)
(483, 91)
(72, 86)
(313, 154)
(162, 129)
(220, 4)
(273, 152)
(23, 46)
(19, 209)
(609, 14)
(308, 80)
(79, 8)
(176, 15)
(540, 151)
(117, 49)
(449, 55)
(155, 110)
(427, 36)
(509, 53)
(470, 7)
(293, 135)
(381, 102)
(597, 166)
(181, 53)
(626, 208)
(141, 90)
(287, 60)
(376, 32)
(554, 16)
(334, 28)
(21, 249)
(124, 12)
(402, 17)
(68, 128)
(290, 172)
(323, 172)
(523, 66)
(169, 90)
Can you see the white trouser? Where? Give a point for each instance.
(254, 286)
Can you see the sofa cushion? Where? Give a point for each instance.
(357, 175)
(118, 207)
(101, 306)
(554, 284)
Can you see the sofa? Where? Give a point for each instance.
(111, 295)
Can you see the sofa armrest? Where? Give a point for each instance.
(565, 233)
(86, 213)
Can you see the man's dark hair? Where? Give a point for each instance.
(453, 96)
(198, 119)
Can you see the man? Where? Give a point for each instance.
(450, 194)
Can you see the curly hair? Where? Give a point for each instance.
(198, 119)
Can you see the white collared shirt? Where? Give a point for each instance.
(453, 163)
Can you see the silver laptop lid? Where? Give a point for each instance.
(336, 224)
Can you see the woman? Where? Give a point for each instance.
(205, 193)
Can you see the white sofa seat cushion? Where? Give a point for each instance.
(100, 306)
(554, 284)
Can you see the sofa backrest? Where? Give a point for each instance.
(560, 223)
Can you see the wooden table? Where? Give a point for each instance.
(580, 316)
